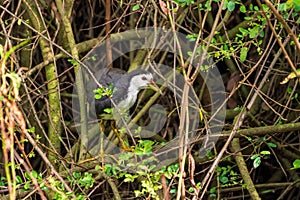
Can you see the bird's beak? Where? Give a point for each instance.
(154, 87)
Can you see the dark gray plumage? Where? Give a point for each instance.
(126, 86)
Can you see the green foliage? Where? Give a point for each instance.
(105, 91)
(148, 178)
(144, 147)
(243, 53)
(259, 155)
(183, 3)
(228, 177)
(252, 35)
(296, 5)
(212, 192)
(230, 5)
(136, 7)
(85, 181)
(284, 9)
(238, 108)
(3, 181)
(296, 164)
(209, 154)
(73, 62)
(291, 76)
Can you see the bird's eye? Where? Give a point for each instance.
(144, 78)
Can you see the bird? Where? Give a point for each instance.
(125, 87)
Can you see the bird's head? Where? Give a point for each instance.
(141, 78)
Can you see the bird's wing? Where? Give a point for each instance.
(106, 77)
(101, 104)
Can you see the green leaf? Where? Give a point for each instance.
(19, 179)
(212, 195)
(254, 32)
(34, 174)
(265, 152)
(135, 7)
(257, 162)
(292, 75)
(76, 175)
(31, 130)
(282, 7)
(254, 156)
(191, 189)
(248, 18)
(224, 179)
(296, 164)
(225, 5)
(270, 144)
(296, 5)
(73, 62)
(243, 9)
(244, 31)
(231, 6)
(108, 110)
(243, 54)
(27, 176)
(212, 190)
(26, 185)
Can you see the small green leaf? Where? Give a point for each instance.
(27, 176)
(19, 22)
(191, 189)
(270, 144)
(31, 130)
(244, 32)
(265, 152)
(76, 175)
(224, 179)
(296, 164)
(108, 110)
(135, 7)
(231, 6)
(212, 195)
(19, 180)
(73, 62)
(254, 32)
(257, 162)
(254, 156)
(248, 18)
(243, 9)
(243, 54)
(26, 185)
(212, 190)
(292, 75)
(282, 7)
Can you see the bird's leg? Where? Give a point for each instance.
(96, 150)
(102, 129)
(121, 140)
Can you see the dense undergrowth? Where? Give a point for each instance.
(253, 44)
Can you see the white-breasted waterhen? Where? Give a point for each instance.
(125, 87)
